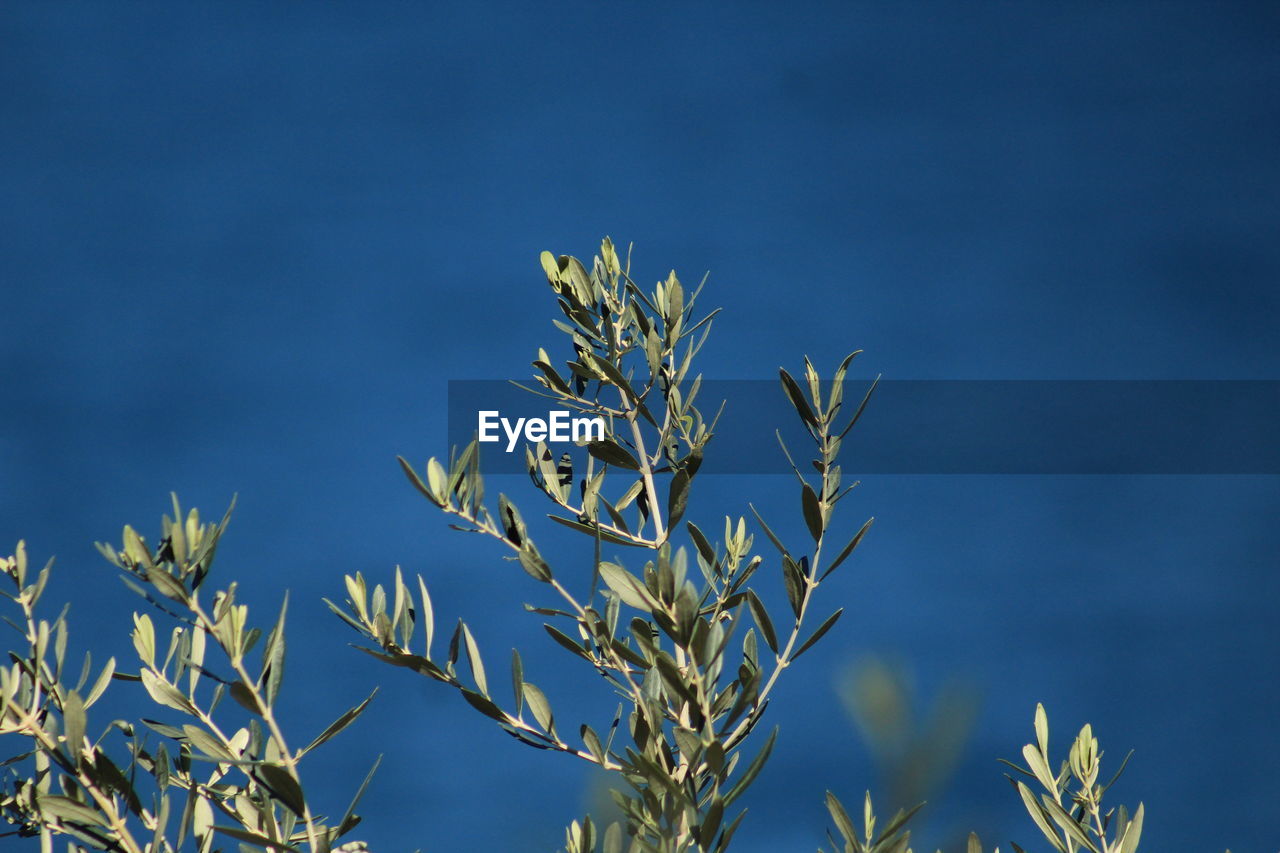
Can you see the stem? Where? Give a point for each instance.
(646, 472)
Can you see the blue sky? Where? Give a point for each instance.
(245, 246)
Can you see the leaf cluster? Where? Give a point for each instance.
(682, 638)
(207, 778)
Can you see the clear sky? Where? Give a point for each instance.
(243, 248)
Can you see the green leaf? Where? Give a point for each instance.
(73, 721)
(540, 707)
(245, 697)
(1041, 770)
(817, 635)
(1040, 816)
(565, 641)
(531, 561)
(428, 617)
(348, 717)
(166, 584)
(793, 577)
(517, 679)
(753, 770)
(483, 704)
(812, 511)
(165, 693)
(610, 452)
(207, 743)
(777, 543)
(761, 615)
(627, 587)
(1042, 730)
(67, 809)
(842, 820)
(477, 665)
(1132, 832)
(797, 398)
(700, 541)
(416, 480)
(677, 497)
(253, 838)
(1068, 824)
(614, 375)
(349, 819)
(594, 531)
(849, 548)
(100, 686)
(283, 787)
(273, 657)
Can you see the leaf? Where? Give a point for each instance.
(531, 561)
(700, 541)
(428, 616)
(817, 635)
(594, 531)
(1040, 816)
(753, 770)
(517, 679)
(761, 615)
(565, 641)
(207, 743)
(849, 548)
(273, 657)
(777, 543)
(812, 512)
(797, 398)
(615, 377)
(1132, 832)
(254, 838)
(627, 587)
(610, 452)
(100, 686)
(73, 721)
(794, 578)
(245, 697)
(1041, 770)
(677, 497)
(347, 819)
(841, 817)
(166, 584)
(348, 717)
(67, 809)
(165, 693)
(483, 704)
(540, 707)
(477, 665)
(416, 480)
(283, 787)
(1042, 730)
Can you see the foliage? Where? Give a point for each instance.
(681, 635)
(202, 784)
(685, 642)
